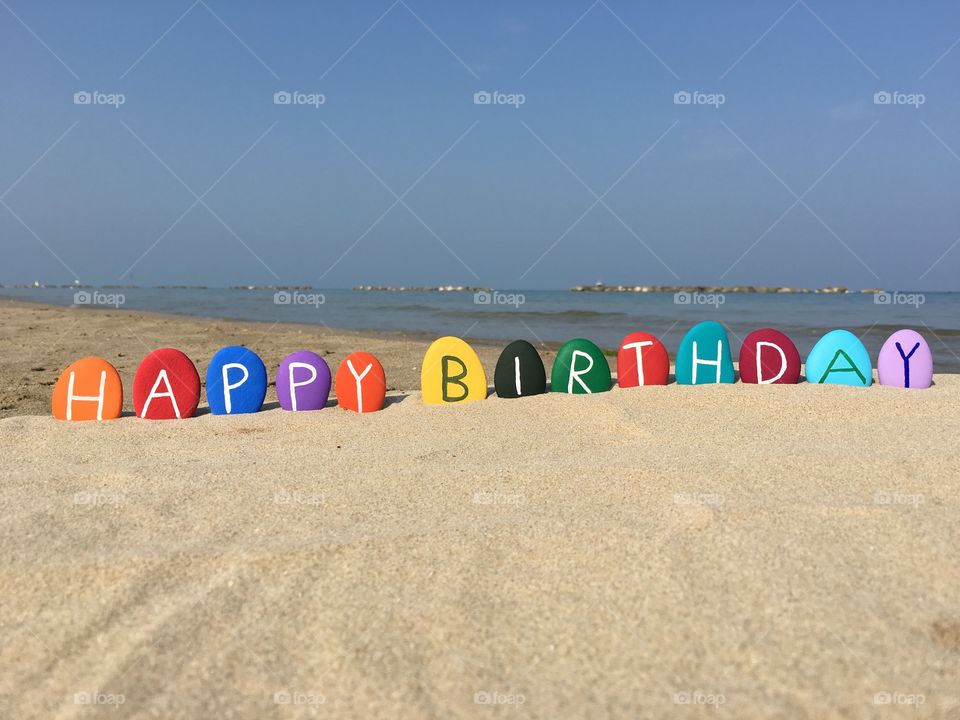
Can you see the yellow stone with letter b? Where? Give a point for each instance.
(452, 373)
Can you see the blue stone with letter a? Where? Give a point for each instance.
(839, 358)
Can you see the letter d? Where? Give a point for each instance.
(783, 362)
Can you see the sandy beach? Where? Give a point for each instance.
(744, 551)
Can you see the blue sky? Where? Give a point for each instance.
(782, 170)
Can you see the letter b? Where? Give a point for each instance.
(447, 379)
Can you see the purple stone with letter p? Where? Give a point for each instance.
(303, 381)
(905, 361)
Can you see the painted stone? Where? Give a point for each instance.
(768, 357)
(519, 371)
(236, 381)
(839, 358)
(580, 368)
(166, 386)
(361, 383)
(905, 361)
(452, 373)
(704, 356)
(303, 382)
(642, 360)
(90, 389)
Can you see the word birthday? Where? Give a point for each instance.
(167, 385)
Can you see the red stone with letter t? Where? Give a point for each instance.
(642, 360)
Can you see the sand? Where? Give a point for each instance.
(734, 551)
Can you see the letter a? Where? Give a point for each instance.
(851, 367)
(161, 377)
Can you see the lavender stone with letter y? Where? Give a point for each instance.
(905, 361)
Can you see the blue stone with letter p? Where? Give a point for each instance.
(236, 381)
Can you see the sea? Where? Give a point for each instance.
(550, 317)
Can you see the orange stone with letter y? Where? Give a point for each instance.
(361, 384)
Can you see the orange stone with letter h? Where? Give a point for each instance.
(90, 389)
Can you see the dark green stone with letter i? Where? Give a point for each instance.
(519, 371)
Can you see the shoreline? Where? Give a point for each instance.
(399, 335)
(27, 376)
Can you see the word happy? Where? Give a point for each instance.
(167, 385)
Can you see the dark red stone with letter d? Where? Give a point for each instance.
(166, 386)
(654, 367)
(779, 360)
